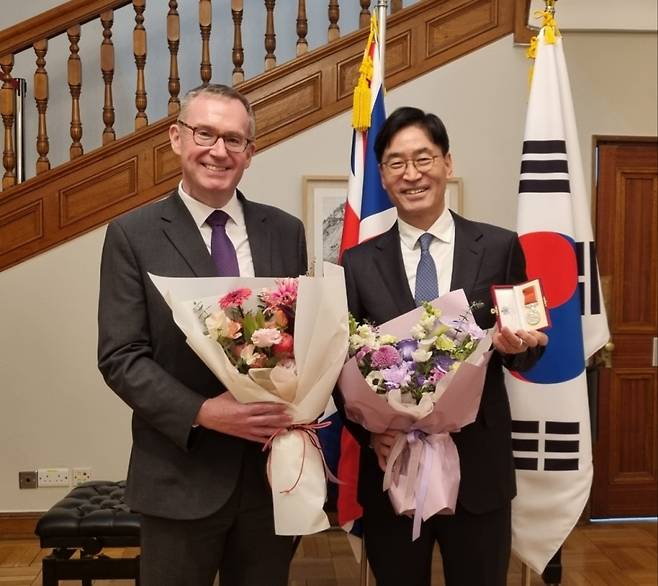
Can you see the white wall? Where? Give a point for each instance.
(601, 15)
(54, 408)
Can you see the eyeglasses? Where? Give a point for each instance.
(235, 143)
(398, 167)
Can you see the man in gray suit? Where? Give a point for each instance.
(197, 472)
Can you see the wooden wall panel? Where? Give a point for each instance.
(67, 201)
(21, 226)
(165, 163)
(96, 193)
(453, 28)
(288, 105)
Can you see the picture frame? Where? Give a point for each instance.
(323, 209)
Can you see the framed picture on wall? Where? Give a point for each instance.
(324, 207)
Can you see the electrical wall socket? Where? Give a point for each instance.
(27, 479)
(53, 477)
(80, 475)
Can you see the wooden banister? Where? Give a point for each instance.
(53, 22)
(96, 185)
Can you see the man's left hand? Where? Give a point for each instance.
(509, 342)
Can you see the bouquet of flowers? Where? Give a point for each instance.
(258, 342)
(421, 374)
(285, 343)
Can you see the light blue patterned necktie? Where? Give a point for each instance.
(427, 285)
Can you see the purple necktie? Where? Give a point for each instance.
(221, 248)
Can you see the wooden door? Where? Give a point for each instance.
(625, 449)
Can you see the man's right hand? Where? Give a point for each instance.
(383, 443)
(256, 422)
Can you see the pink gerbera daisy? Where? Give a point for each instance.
(234, 298)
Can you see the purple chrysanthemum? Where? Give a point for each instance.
(385, 357)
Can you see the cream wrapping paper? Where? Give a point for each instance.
(422, 476)
(295, 466)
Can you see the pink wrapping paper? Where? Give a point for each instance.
(422, 476)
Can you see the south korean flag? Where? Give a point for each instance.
(551, 428)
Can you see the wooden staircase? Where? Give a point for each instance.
(92, 188)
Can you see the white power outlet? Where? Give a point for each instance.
(81, 475)
(53, 477)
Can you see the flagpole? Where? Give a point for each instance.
(382, 11)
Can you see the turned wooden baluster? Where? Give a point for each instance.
(364, 15)
(75, 87)
(205, 21)
(270, 37)
(173, 40)
(334, 13)
(139, 50)
(41, 98)
(238, 52)
(7, 110)
(396, 5)
(302, 28)
(107, 69)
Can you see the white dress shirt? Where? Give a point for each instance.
(236, 229)
(442, 249)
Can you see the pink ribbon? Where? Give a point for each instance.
(309, 429)
(417, 462)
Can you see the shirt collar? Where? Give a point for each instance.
(442, 229)
(200, 211)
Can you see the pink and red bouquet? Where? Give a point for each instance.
(282, 340)
(420, 375)
(259, 342)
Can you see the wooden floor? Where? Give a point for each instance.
(615, 554)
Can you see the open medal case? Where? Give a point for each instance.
(520, 307)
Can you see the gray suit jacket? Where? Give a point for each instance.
(175, 471)
(378, 291)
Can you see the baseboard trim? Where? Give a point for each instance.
(18, 525)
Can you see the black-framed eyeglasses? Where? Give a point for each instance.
(398, 167)
(204, 137)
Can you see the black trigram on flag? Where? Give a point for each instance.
(544, 167)
(552, 452)
(588, 278)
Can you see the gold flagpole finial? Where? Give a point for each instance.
(549, 6)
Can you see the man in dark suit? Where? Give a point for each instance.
(197, 473)
(412, 149)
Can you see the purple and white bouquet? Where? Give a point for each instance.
(420, 375)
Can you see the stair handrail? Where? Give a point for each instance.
(53, 22)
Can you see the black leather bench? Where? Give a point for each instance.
(92, 517)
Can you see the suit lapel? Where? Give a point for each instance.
(390, 265)
(467, 256)
(179, 227)
(260, 237)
